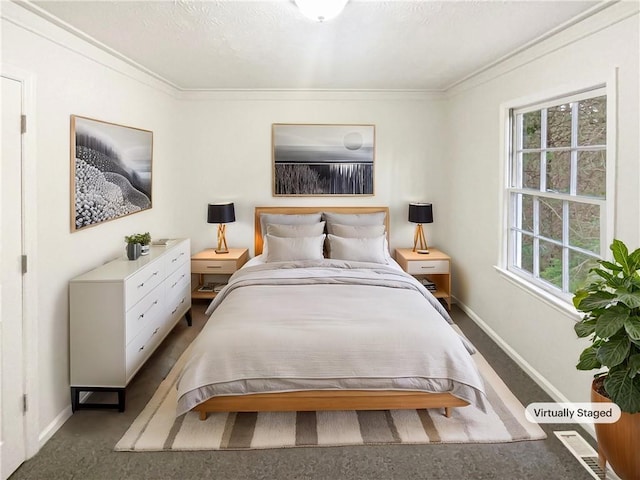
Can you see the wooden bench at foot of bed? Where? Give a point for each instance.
(329, 400)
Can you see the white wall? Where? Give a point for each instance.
(228, 147)
(585, 55)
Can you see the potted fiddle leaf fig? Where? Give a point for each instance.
(611, 304)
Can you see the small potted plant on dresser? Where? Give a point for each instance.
(137, 244)
(612, 322)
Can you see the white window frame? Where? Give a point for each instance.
(508, 264)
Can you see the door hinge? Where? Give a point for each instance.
(24, 264)
(24, 403)
(23, 124)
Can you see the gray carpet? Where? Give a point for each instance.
(83, 447)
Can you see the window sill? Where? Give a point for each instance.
(554, 302)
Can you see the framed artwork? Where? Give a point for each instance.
(323, 159)
(110, 171)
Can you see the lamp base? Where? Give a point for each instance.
(221, 251)
(422, 251)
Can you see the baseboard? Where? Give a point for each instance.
(55, 425)
(536, 376)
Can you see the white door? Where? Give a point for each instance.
(12, 426)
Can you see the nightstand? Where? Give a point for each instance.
(434, 266)
(208, 262)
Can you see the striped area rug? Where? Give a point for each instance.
(157, 428)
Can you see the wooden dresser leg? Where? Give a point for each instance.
(447, 412)
(203, 415)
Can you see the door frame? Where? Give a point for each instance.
(29, 244)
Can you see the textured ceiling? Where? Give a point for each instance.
(423, 45)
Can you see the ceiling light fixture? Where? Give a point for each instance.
(321, 10)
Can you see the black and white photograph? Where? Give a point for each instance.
(323, 159)
(111, 171)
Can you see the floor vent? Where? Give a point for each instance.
(585, 454)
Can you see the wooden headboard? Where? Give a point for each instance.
(302, 210)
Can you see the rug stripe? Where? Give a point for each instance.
(177, 425)
(242, 431)
(306, 428)
(429, 428)
(273, 427)
(374, 427)
(195, 434)
(338, 428)
(407, 423)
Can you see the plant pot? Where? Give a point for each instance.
(618, 442)
(145, 250)
(133, 251)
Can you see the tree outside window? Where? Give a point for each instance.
(557, 190)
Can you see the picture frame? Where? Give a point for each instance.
(111, 171)
(323, 159)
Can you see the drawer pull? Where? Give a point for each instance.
(155, 331)
(214, 266)
(430, 266)
(152, 275)
(178, 281)
(147, 310)
(141, 348)
(176, 259)
(176, 309)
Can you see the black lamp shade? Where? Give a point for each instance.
(221, 213)
(420, 213)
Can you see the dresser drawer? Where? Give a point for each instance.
(143, 313)
(177, 281)
(179, 304)
(140, 348)
(143, 281)
(177, 257)
(427, 266)
(213, 266)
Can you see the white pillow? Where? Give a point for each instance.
(280, 230)
(376, 218)
(358, 249)
(283, 249)
(357, 231)
(285, 219)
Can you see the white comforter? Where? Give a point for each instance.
(326, 324)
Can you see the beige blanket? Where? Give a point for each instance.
(326, 325)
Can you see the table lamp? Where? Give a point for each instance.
(221, 213)
(420, 213)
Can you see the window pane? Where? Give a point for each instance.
(579, 266)
(551, 218)
(558, 171)
(526, 252)
(559, 126)
(584, 226)
(592, 174)
(551, 263)
(531, 128)
(592, 121)
(527, 213)
(531, 170)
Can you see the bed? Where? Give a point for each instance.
(326, 322)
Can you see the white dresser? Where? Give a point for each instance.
(119, 314)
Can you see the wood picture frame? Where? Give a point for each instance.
(111, 171)
(323, 159)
